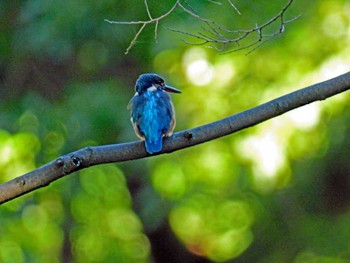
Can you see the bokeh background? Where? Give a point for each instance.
(276, 192)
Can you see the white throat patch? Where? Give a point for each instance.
(152, 88)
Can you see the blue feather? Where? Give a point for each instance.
(152, 112)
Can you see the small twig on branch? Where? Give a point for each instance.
(147, 9)
(144, 23)
(90, 156)
(216, 33)
(234, 7)
(237, 35)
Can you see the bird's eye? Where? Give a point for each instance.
(159, 84)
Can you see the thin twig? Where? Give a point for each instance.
(135, 38)
(234, 7)
(238, 35)
(214, 2)
(147, 9)
(144, 23)
(156, 31)
(218, 36)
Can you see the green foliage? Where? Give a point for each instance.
(213, 227)
(16, 159)
(106, 228)
(277, 192)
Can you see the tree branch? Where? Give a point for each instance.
(114, 153)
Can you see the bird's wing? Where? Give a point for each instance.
(136, 115)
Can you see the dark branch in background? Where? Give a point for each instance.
(214, 35)
(90, 156)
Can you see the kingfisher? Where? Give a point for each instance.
(152, 112)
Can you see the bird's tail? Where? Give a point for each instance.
(154, 146)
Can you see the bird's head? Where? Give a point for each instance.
(152, 82)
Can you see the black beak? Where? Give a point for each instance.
(171, 89)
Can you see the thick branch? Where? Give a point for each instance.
(90, 156)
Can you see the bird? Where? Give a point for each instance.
(152, 112)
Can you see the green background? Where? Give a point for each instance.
(276, 192)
